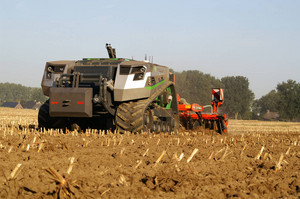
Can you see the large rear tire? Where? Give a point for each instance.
(137, 116)
(134, 117)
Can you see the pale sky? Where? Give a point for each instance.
(258, 39)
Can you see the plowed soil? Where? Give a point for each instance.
(187, 164)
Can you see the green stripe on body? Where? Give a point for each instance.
(154, 86)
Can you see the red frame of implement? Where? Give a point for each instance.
(190, 112)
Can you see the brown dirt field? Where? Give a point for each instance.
(37, 164)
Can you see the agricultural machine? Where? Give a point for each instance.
(117, 93)
(192, 115)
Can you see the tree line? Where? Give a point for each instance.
(10, 92)
(195, 87)
(239, 102)
(285, 100)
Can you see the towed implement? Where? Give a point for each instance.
(192, 115)
(110, 93)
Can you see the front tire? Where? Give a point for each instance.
(47, 122)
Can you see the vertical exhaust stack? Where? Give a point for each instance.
(111, 51)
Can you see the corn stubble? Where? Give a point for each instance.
(155, 162)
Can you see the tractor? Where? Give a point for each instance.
(110, 93)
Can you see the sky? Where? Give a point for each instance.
(258, 39)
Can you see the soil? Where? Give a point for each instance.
(187, 164)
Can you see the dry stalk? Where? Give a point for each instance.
(160, 157)
(40, 147)
(265, 156)
(146, 152)
(225, 154)
(138, 164)
(158, 141)
(64, 186)
(122, 151)
(192, 155)
(115, 141)
(180, 157)
(211, 155)
(10, 149)
(295, 143)
(84, 142)
(259, 154)
(288, 151)
(28, 147)
(270, 157)
(105, 191)
(120, 140)
(175, 156)
(242, 152)
(15, 172)
(278, 165)
(72, 159)
(219, 151)
(122, 180)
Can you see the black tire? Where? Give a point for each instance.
(134, 117)
(196, 125)
(214, 126)
(218, 127)
(222, 126)
(207, 124)
(47, 122)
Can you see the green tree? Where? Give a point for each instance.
(37, 95)
(255, 110)
(289, 103)
(16, 92)
(196, 86)
(268, 102)
(238, 97)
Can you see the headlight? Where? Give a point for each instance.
(50, 69)
(56, 69)
(143, 69)
(138, 71)
(138, 76)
